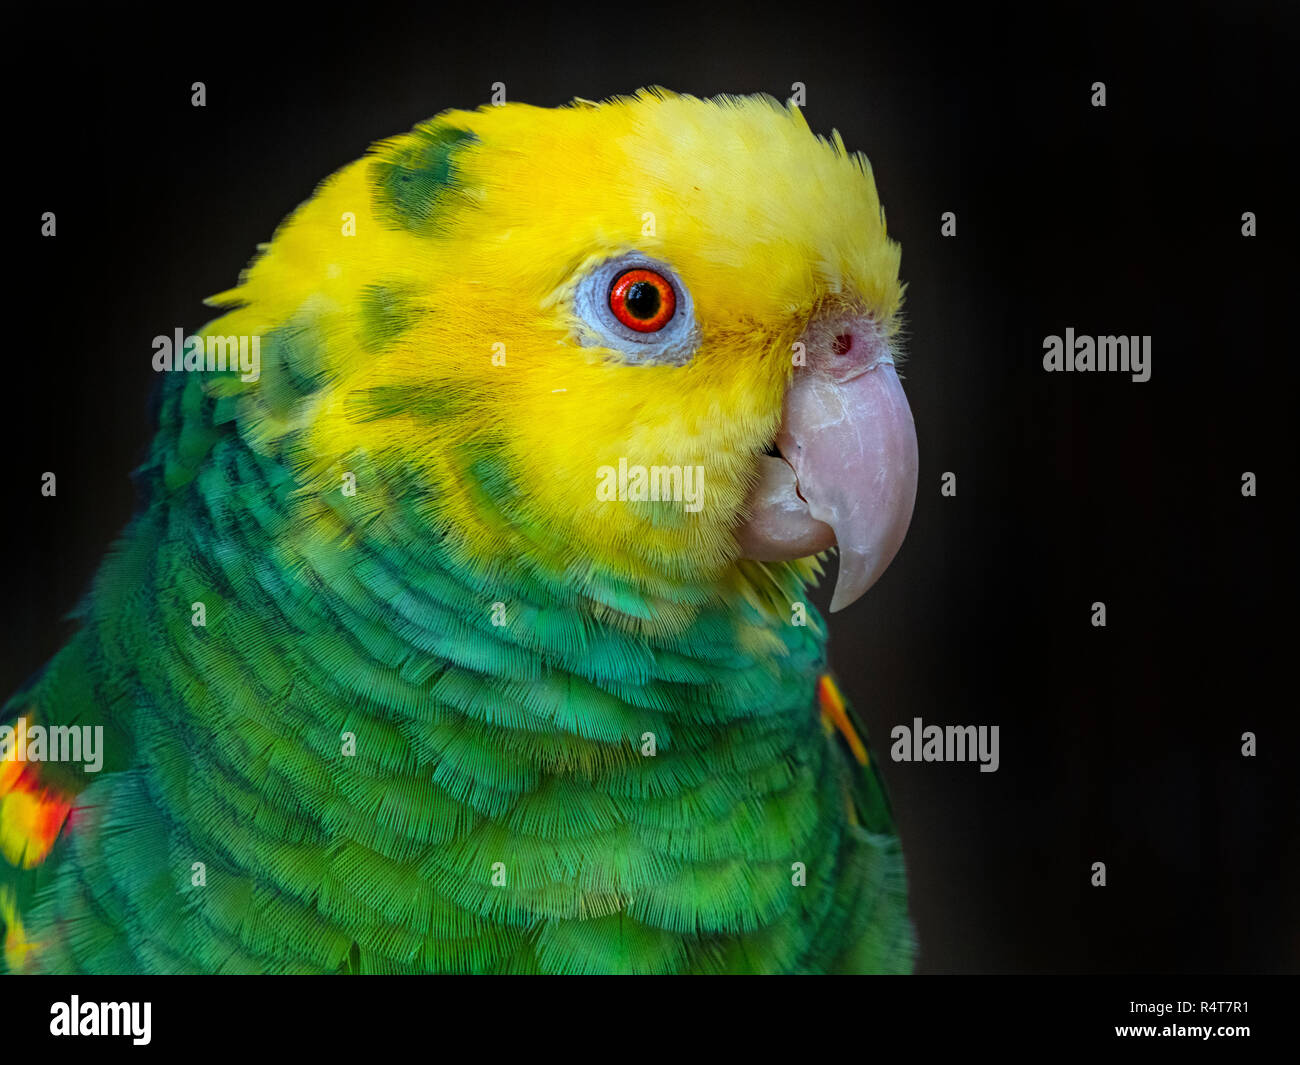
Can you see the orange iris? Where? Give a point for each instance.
(642, 300)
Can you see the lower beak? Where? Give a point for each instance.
(848, 468)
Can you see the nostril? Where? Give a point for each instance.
(842, 344)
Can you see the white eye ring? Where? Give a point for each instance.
(673, 345)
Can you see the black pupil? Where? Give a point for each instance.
(642, 299)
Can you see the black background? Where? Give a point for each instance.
(1120, 744)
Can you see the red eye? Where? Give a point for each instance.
(642, 300)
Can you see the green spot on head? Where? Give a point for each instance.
(489, 472)
(385, 315)
(299, 347)
(413, 176)
(427, 402)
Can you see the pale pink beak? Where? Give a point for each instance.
(848, 467)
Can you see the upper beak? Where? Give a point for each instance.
(848, 468)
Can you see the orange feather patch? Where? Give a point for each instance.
(31, 815)
(834, 716)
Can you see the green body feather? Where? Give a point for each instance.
(498, 813)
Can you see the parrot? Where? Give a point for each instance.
(462, 624)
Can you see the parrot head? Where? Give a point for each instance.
(647, 338)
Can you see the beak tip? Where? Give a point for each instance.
(847, 593)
